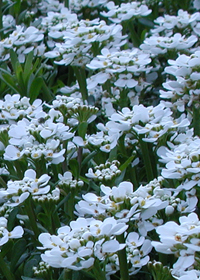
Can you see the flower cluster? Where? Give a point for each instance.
(156, 45)
(182, 22)
(78, 245)
(121, 67)
(181, 240)
(182, 161)
(137, 250)
(78, 5)
(125, 11)
(37, 138)
(18, 191)
(22, 41)
(150, 122)
(184, 91)
(14, 108)
(79, 39)
(140, 206)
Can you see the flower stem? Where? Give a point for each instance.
(133, 34)
(123, 260)
(1, 20)
(32, 217)
(5, 270)
(67, 3)
(67, 274)
(196, 118)
(99, 273)
(147, 159)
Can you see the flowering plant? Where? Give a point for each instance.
(99, 140)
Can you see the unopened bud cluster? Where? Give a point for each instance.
(107, 171)
(54, 196)
(83, 112)
(159, 271)
(41, 270)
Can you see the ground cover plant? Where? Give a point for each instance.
(99, 140)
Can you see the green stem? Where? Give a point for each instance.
(81, 78)
(5, 270)
(55, 221)
(67, 274)
(99, 273)
(196, 118)
(133, 34)
(123, 98)
(147, 159)
(79, 158)
(71, 204)
(124, 275)
(107, 86)
(133, 176)
(67, 3)
(1, 20)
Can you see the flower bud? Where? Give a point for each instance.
(169, 210)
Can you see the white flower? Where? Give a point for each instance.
(191, 274)
(12, 153)
(17, 232)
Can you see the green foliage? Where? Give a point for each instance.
(27, 79)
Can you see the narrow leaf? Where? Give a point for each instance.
(8, 79)
(28, 66)
(35, 88)
(14, 59)
(127, 162)
(18, 249)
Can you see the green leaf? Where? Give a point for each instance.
(62, 202)
(22, 259)
(146, 22)
(5, 270)
(17, 6)
(28, 65)
(9, 80)
(85, 180)
(74, 167)
(47, 93)
(12, 218)
(6, 248)
(113, 154)
(28, 268)
(28, 278)
(88, 158)
(20, 79)
(35, 88)
(17, 251)
(94, 186)
(127, 162)
(14, 59)
(22, 17)
(82, 129)
(43, 218)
